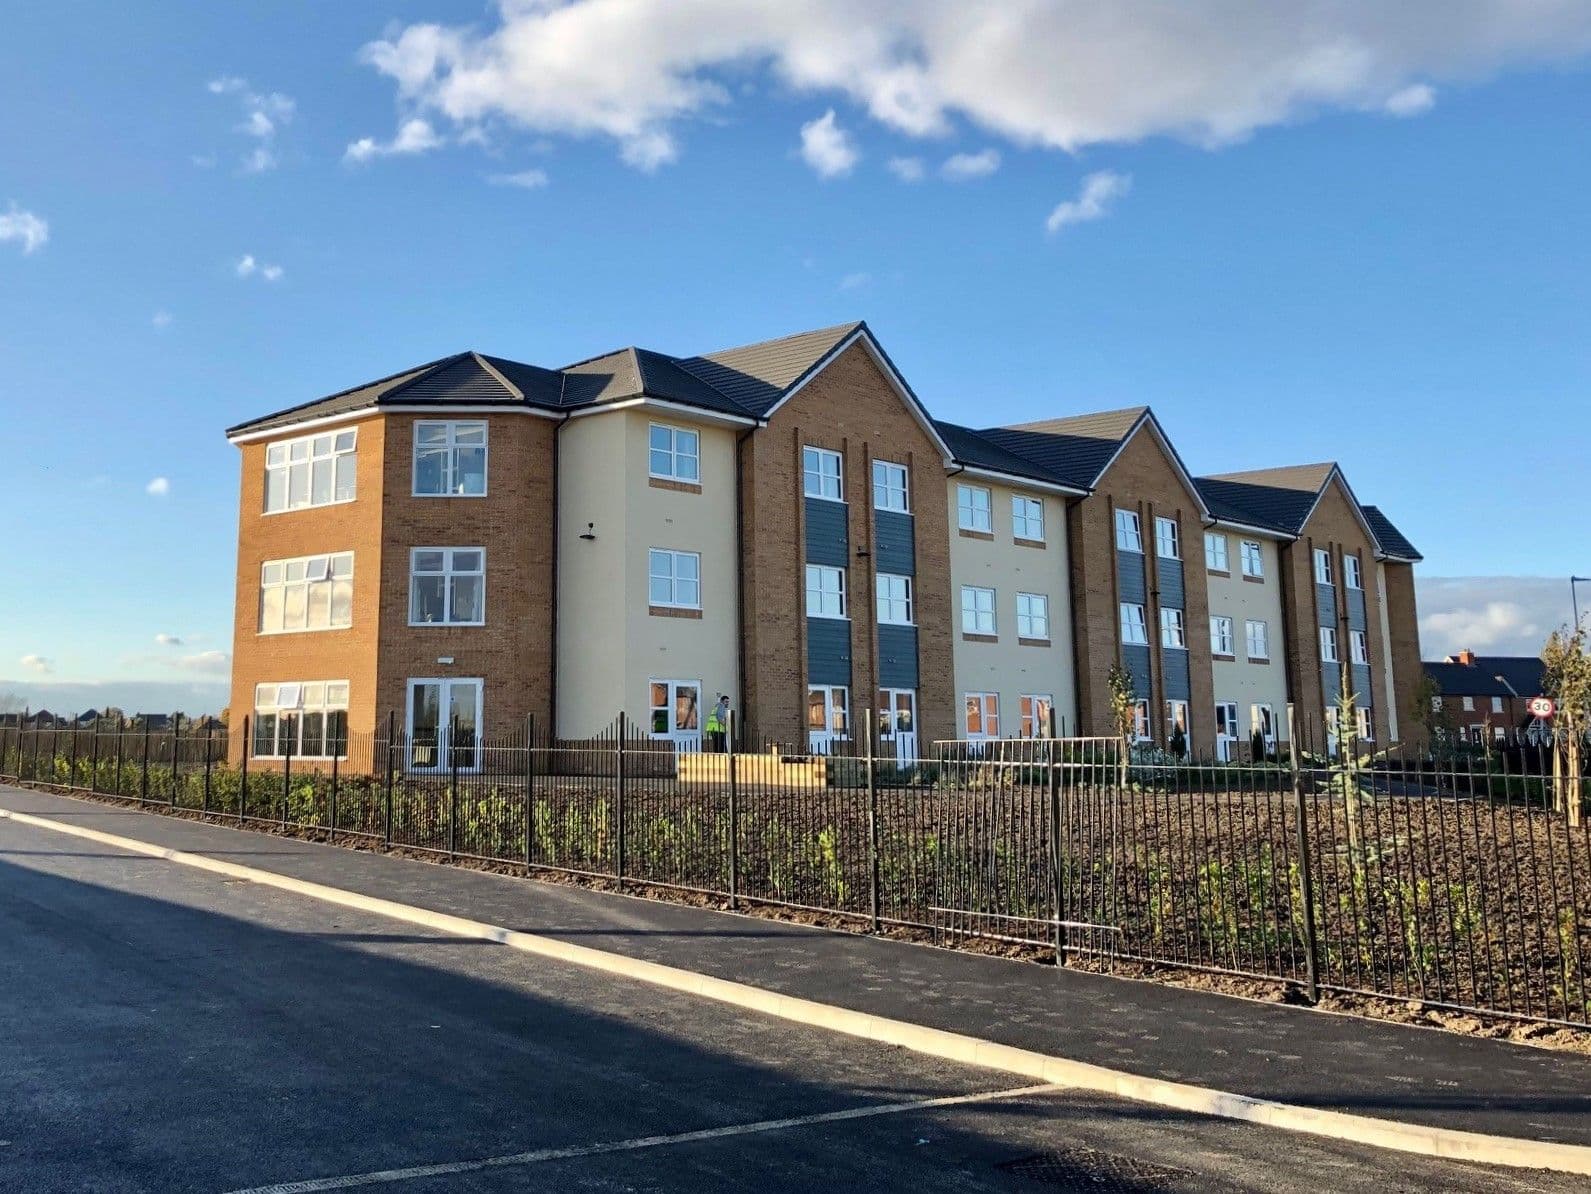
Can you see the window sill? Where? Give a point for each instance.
(676, 486)
(312, 506)
(305, 630)
(672, 611)
(1223, 657)
(1019, 541)
(1254, 580)
(445, 625)
(886, 622)
(823, 497)
(428, 496)
(890, 510)
(1226, 572)
(969, 533)
(1032, 642)
(968, 637)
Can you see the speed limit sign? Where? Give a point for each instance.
(1541, 707)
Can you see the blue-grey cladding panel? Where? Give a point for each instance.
(829, 651)
(1356, 609)
(1325, 605)
(1130, 578)
(828, 541)
(1136, 658)
(897, 656)
(893, 549)
(1172, 595)
(1361, 684)
(1175, 666)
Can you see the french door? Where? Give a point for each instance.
(1226, 735)
(828, 716)
(897, 722)
(444, 724)
(675, 713)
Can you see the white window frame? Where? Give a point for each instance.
(1323, 573)
(1436, 704)
(1265, 724)
(988, 715)
(1173, 630)
(1027, 518)
(826, 600)
(674, 452)
(671, 556)
(298, 705)
(815, 473)
(1328, 645)
(1133, 620)
(329, 446)
(1366, 726)
(1469, 704)
(326, 582)
(447, 574)
(1263, 637)
(1173, 707)
(1033, 721)
(1253, 553)
(1140, 721)
(444, 703)
(1129, 531)
(1222, 638)
(1497, 704)
(1358, 647)
(451, 448)
(1034, 610)
(891, 484)
(974, 508)
(830, 707)
(1168, 535)
(893, 594)
(974, 610)
(1216, 558)
(1352, 572)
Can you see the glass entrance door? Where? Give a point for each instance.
(676, 707)
(1225, 730)
(897, 723)
(444, 724)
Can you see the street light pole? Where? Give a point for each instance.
(1574, 596)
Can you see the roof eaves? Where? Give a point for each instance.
(418, 371)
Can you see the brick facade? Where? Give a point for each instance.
(1403, 632)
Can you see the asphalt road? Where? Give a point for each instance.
(167, 1029)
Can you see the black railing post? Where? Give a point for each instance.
(618, 812)
(453, 787)
(1306, 879)
(734, 813)
(530, 789)
(209, 738)
(243, 770)
(386, 832)
(176, 742)
(1057, 882)
(332, 811)
(93, 758)
(71, 773)
(287, 768)
(872, 819)
(119, 736)
(38, 741)
(143, 784)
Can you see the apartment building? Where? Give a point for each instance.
(475, 542)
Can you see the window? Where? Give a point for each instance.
(312, 593)
(1322, 566)
(1215, 552)
(1497, 704)
(977, 610)
(1258, 635)
(1221, 636)
(983, 714)
(890, 490)
(894, 600)
(1436, 704)
(1177, 718)
(1262, 720)
(1140, 721)
(1499, 733)
(1328, 645)
(450, 459)
(825, 591)
(674, 454)
(1129, 537)
(1253, 559)
(317, 470)
(1351, 572)
(973, 511)
(1027, 518)
(1357, 649)
(447, 585)
(820, 470)
(828, 711)
(444, 724)
(1366, 726)
(673, 578)
(1035, 710)
(308, 720)
(1469, 704)
(1168, 539)
(1172, 631)
(1133, 627)
(1032, 616)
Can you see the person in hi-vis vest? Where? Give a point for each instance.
(718, 724)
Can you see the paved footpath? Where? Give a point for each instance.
(1266, 1051)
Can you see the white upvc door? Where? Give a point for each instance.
(1225, 730)
(444, 724)
(676, 712)
(828, 716)
(897, 722)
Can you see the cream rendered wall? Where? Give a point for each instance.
(1240, 681)
(1006, 667)
(1386, 650)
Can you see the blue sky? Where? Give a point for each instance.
(1292, 251)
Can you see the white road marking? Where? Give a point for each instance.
(381, 1176)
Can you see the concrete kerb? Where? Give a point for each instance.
(1447, 1143)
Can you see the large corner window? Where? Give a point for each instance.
(316, 470)
(674, 454)
(821, 474)
(309, 593)
(303, 719)
(450, 458)
(447, 586)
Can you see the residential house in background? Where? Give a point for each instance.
(476, 542)
(1485, 697)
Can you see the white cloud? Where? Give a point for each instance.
(1099, 191)
(159, 487)
(225, 85)
(25, 227)
(271, 273)
(414, 136)
(247, 267)
(205, 661)
(964, 166)
(38, 664)
(264, 114)
(828, 148)
(258, 160)
(856, 281)
(530, 180)
(907, 169)
(1413, 100)
(1498, 615)
(1050, 73)
(161, 319)
(168, 640)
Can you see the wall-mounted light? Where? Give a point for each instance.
(591, 532)
(444, 659)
